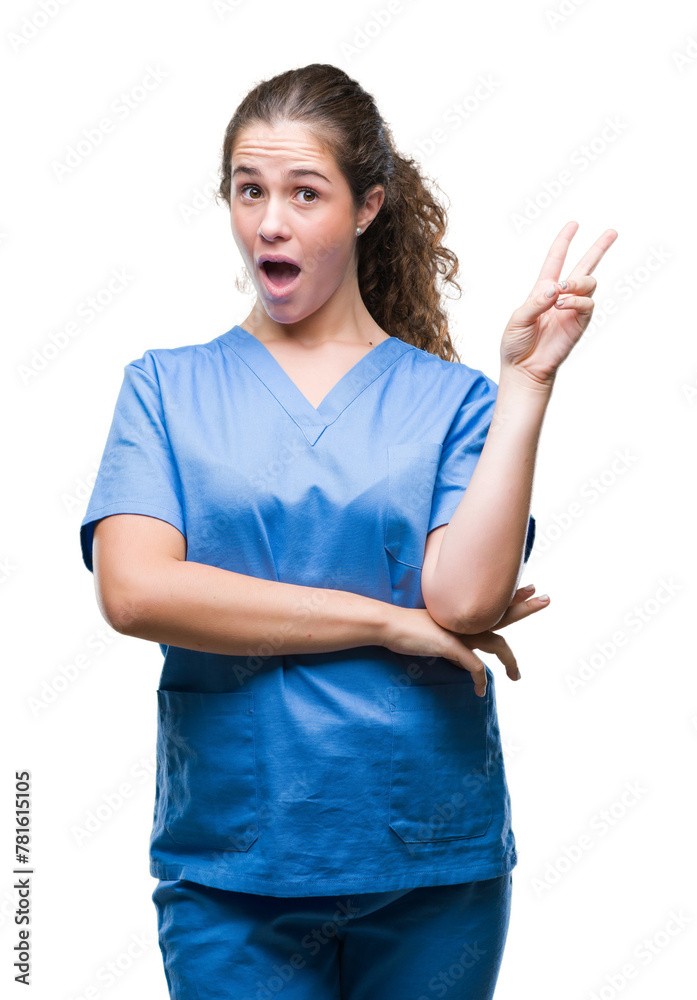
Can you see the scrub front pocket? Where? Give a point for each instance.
(207, 768)
(412, 470)
(439, 769)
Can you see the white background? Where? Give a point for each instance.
(617, 559)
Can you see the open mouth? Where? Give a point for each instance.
(280, 273)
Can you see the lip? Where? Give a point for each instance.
(276, 258)
(274, 290)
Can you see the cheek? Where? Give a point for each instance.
(236, 220)
(330, 252)
(243, 231)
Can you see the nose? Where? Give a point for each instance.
(273, 222)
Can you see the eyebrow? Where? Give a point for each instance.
(295, 172)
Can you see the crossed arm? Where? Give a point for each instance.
(145, 587)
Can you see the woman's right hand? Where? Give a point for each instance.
(412, 632)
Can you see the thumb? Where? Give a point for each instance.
(538, 303)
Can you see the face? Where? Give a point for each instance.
(276, 192)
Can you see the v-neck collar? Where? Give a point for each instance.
(310, 419)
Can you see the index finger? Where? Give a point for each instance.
(554, 261)
(551, 269)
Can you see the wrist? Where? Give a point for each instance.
(381, 622)
(521, 381)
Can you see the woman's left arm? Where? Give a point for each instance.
(469, 580)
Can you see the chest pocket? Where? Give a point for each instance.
(206, 768)
(439, 771)
(412, 470)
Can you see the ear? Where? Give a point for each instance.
(371, 206)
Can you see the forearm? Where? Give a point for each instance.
(196, 606)
(481, 554)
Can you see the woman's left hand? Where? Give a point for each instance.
(522, 605)
(541, 333)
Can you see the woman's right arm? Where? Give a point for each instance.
(147, 589)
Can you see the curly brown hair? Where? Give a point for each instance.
(400, 255)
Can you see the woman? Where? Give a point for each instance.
(302, 513)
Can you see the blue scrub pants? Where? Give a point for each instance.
(412, 944)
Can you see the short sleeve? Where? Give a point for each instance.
(460, 453)
(137, 473)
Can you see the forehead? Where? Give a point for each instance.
(280, 143)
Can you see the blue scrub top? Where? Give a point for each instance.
(360, 770)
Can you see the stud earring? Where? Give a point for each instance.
(359, 231)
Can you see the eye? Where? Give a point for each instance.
(245, 186)
(254, 187)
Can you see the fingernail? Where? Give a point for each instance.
(550, 292)
(530, 586)
(543, 597)
(564, 284)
